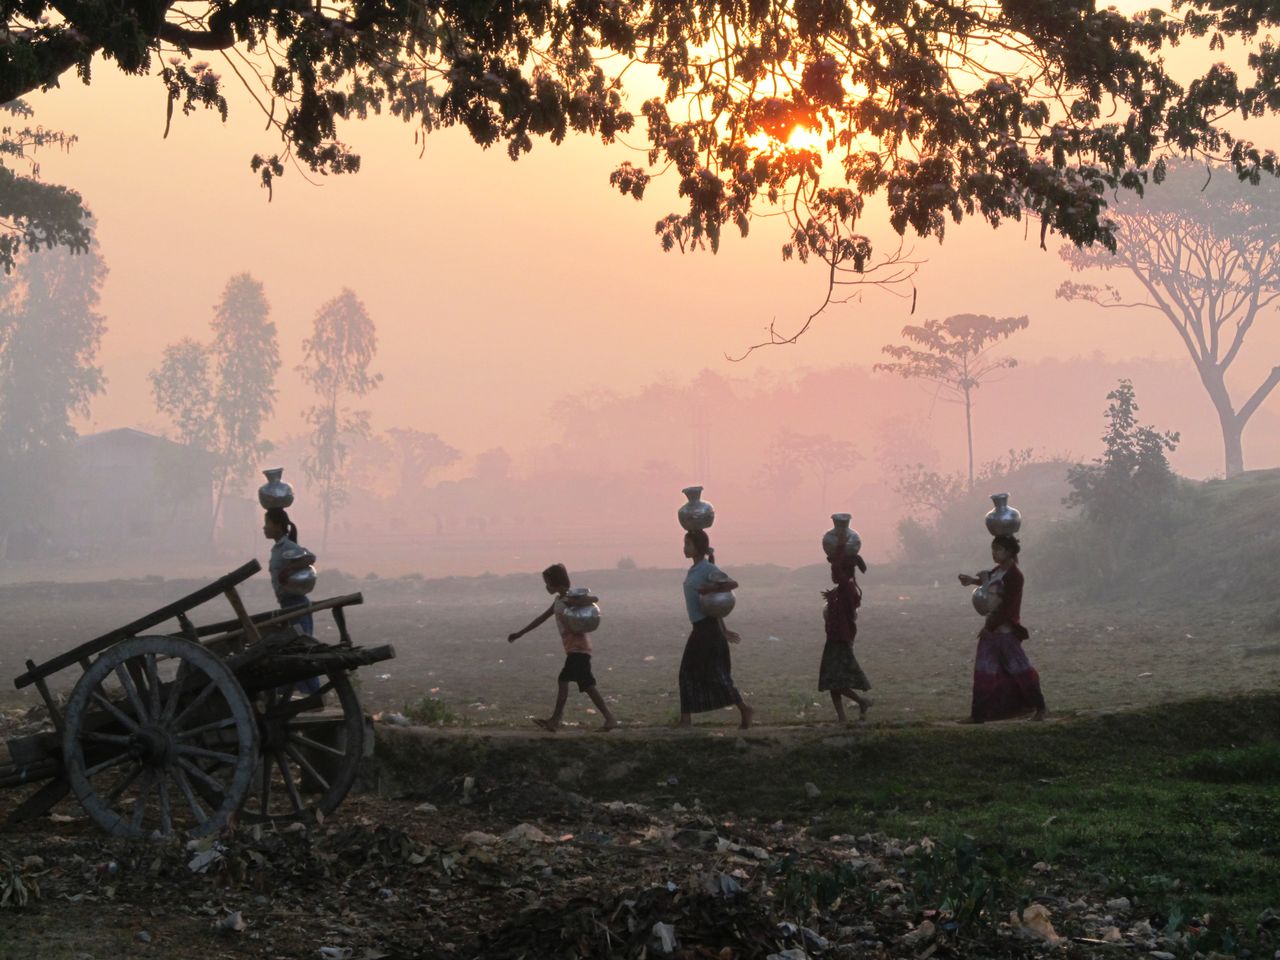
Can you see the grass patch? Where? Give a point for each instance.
(1257, 763)
(430, 712)
(1175, 808)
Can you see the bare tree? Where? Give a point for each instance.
(955, 355)
(1205, 250)
(336, 360)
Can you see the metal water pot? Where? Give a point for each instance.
(275, 492)
(986, 597)
(697, 514)
(831, 539)
(1003, 519)
(581, 610)
(299, 582)
(718, 603)
(302, 580)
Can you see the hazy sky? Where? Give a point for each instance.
(496, 286)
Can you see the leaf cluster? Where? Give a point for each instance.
(996, 109)
(336, 359)
(35, 215)
(953, 353)
(219, 395)
(1132, 475)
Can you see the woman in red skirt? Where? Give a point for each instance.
(1005, 684)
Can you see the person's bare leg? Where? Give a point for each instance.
(609, 721)
(552, 723)
(838, 702)
(747, 712)
(686, 720)
(863, 703)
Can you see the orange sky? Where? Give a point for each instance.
(496, 286)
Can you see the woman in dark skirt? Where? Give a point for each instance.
(1005, 684)
(840, 673)
(706, 682)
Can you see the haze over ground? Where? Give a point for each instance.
(501, 288)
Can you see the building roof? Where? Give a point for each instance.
(128, 437)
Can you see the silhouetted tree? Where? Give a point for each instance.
(35, 215)
(956, 355)
(1126, 494)
(1205, 250)
(902, 97)
(50, 330)
(220, 395)
(792, 454)
(336, 359)
(419, 454)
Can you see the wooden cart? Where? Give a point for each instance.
(180, 732)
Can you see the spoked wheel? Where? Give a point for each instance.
(160, 738)
(310, 753)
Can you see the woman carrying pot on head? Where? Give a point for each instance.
(1005, 684)
(706, 682)
(839, 673)
(286, 557)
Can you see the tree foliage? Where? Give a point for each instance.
(50, 331)
(419, 454)
(1133, 469)
(1126, 496)
(1205, 250)
(219, 396)
(35, 215)
(792, 454)
(336, 359)
(947, 109)
(955, 355)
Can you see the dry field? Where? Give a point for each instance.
(916, 643)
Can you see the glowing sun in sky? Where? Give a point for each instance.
(800, 138)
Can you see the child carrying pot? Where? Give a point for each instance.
(577, 649)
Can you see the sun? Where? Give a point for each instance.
(800, 138)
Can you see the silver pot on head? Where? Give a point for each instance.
(697, 514)
(275, 492)
(1003, 519)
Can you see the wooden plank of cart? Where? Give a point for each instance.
(184, 730)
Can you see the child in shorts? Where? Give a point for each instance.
(577, 650)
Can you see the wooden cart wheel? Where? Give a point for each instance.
(310, 753)
(160, 738)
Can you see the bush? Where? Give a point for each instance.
(919, 543)
(626, 563)
(429, 712)
(1130, 502)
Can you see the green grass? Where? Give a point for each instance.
(1176, 808)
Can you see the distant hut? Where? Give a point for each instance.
(125, 492)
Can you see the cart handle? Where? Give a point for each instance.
(156, 617)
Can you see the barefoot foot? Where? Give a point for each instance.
(546, 725)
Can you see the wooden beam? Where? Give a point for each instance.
(156, 617)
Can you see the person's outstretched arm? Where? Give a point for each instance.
(533, 624)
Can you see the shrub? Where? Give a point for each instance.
(429, 712)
